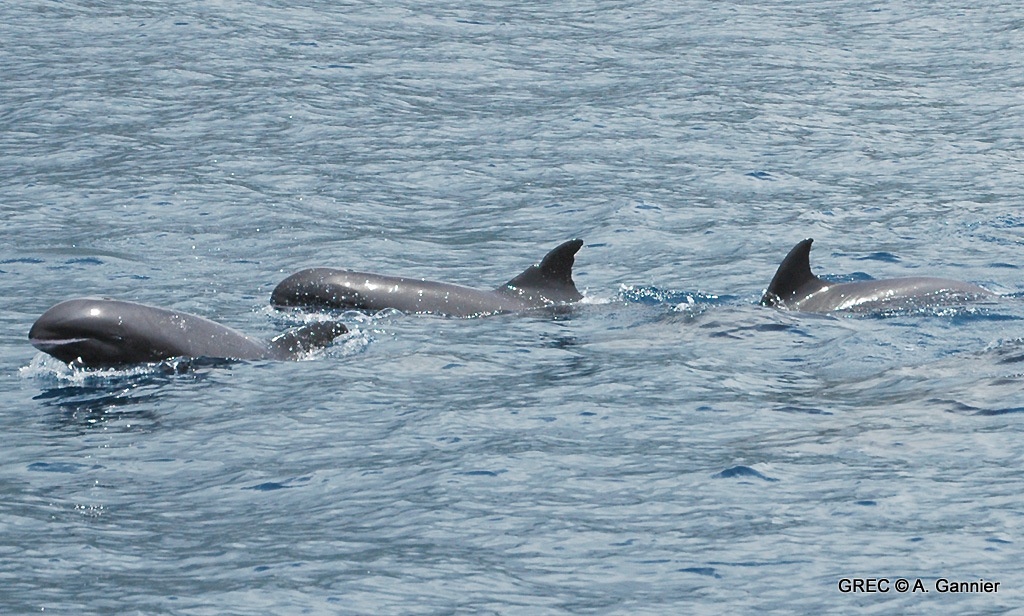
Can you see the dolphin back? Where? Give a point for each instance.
(550, 281)
(796, 288)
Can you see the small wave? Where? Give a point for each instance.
(743, 472)
(44, 367)
(653, 296)
(996, 412)
(886, 257)
(60, 467)
(269, 486)
(594, 300)
(706, 571)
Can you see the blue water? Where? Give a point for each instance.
(665, 447)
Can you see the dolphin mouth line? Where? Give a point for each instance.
(54, 343)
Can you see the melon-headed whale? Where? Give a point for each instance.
(96, 333)
(794, 287)
(545, 284)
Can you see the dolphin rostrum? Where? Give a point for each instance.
(105, 332)
(794, 287)
(545, 284)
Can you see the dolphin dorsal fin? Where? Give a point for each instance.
(306, 338)
(793, 275)
(551, 278)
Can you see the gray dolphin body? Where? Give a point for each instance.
(796, 288)
(104, 332)
(545, 284)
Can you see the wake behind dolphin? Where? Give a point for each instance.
(796, 288)
(104, 332)
(545, 284)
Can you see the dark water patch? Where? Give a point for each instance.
(800, 410)
(761, 175)
(102, 415)
(1010, 355)
(59, 467)
(773, 327)
(743, 332)
(995, 412)
(885, 257)
(92, 403)
(953, 406)
(844, 278)
(268, 486)
(480, 473)
(271, 486)
(126, 400)
(1008, 221)
(742, 472)
(754, 563)
(965, 315)
(705, 571)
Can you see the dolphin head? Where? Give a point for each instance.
(95, 332)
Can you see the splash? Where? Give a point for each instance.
(48, 368)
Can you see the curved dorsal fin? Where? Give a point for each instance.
(794, 275)
(551, 278)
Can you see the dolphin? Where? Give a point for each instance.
(545, 284)
(794, 287)
(90, 332)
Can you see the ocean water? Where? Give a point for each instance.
(666, 446)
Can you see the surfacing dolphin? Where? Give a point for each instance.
(545, 284)
(794, 287)
(97, 333)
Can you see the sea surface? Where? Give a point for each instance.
(667, 446)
